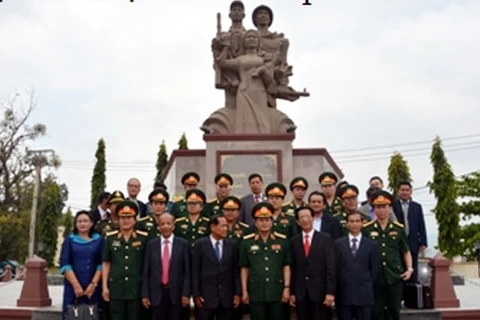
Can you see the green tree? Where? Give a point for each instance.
(162, 159)
(14, 235)
(98, 182)
(447, 211)
(52, 201)
(468, 190)
(67, 222)
(183, 142)
(398, 171)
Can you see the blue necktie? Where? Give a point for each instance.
(217, 251)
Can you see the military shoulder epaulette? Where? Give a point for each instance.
(145, 218)
(398, 224)
(337, 214)
(243, 224)
(211, 201)
(177, 199)
(286, 204)
(206, 219)
(281, 236)
(290, 214)
(143, 233)
(111, 233)
(249, 236)
(369, 223)
(180, 219)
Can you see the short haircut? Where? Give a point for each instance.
(168, 214)
(297, 211)
(255, 175)
(103, 196)
(404, 183)
(371, 191)
(375, 178)
(317, 193)
(215, 220)
(354, 213)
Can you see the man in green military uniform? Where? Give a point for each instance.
(265, 267)
(391, 237)
(223, 182)
(283, 222)
(194, 225)
(349, 196)
(298, 187)
(123, 265)
(230, 207)
(158, 200)
(104, 226)
(190, 181)
(327, 181)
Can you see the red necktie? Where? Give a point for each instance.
(165, 262)
(306, 246)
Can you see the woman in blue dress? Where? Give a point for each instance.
(81, 263)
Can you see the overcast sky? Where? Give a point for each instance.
(379, 72)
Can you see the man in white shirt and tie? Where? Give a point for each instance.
(255, 181)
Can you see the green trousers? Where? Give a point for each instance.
(267, 310)
(388, 301)
(126, 310)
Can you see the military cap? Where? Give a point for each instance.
(348, 191)
(190, 178)
(159, 195)
(223, 179)
(262, 7)
(300, 182)
(382, 197)
(231, 202)
(159, 184)
(327, 178)
(127, 208)
(195, 195)
(116, 197)
(276, 189)
(262, 210)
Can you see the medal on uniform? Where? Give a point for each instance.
(137, 244)
(276, 247)
(374, 234)
(254, 247)
(116, 243)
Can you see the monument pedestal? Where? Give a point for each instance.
(271, 155)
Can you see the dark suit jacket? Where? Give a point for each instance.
(142, 212)
(331, 226)
(179, 271)
(356, 276)
(216, 282)
(95, 214)
(245, 216)
(315, 274)
(417, 234)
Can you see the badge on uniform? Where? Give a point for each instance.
(149, 224)
(116, 243)
(284, 221)
(393, 233)
(276, 247)
(184, 226)
(374, 234)
(137, 244)
(254, 247)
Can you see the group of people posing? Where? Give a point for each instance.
(227, 257)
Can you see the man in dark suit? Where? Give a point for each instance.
(255, 181)
(166, 273)
(322, 220)
(133, 189)
(215, 273)
(100, 212)
(358, 261)
(410, 214)
(313, 270)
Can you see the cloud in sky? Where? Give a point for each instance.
(380, 73)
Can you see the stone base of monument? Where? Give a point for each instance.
(271, 155)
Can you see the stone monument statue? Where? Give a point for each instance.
(251, 67)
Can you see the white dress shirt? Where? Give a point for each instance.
(103, 213)
(359, 238)
(310, 236)
(317, 223)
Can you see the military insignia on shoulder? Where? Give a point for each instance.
(337, 214)
(243, 224)
(212, 201)
(142, 233)
(180, 219)
(368, 223)
(398, 224)
(145, 218)
(111, 233)
(205, 219)
(290, 213)
(249, 236)
(177, 198)
(286, 204)
(281, 236)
